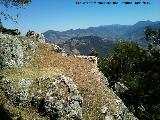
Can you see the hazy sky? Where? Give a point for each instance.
(43, 15)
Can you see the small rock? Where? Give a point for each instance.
(109, 117)
(104, 109)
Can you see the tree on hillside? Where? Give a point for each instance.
(6, 4)
(1, 25)
(125, 59)
(153, 39)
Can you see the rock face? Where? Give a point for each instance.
(91, 59)
(15, 51)
(59, 100)
(39, 36)
(57, 49)
(122, 113)
(120, 88)
(11, 52)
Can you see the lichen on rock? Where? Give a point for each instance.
(54, 101)
(11, 51)
(15, 51)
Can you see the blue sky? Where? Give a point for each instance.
(43, 15)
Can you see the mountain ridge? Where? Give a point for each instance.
(111, 32)
(104, 36)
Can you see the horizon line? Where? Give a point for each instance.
(100, 26)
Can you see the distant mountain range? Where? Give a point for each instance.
(86, 43)
(105, 33)
(111, 32)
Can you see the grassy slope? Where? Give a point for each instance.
(50, 64)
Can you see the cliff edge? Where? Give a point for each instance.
(41, 82)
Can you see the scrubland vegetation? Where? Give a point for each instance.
(139, 70)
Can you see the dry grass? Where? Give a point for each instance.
(50, 64)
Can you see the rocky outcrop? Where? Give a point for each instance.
(121, 112)
(53, 85)
(57, 49)
(11, 51)
(59, 99)
(15, 51)
(120, 88)
(39, 36)
(92, 59)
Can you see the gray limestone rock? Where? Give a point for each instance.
(56, 103)
(121, 112)
(120, 88)
(58, 100)
(11, 52)
(15, 51)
